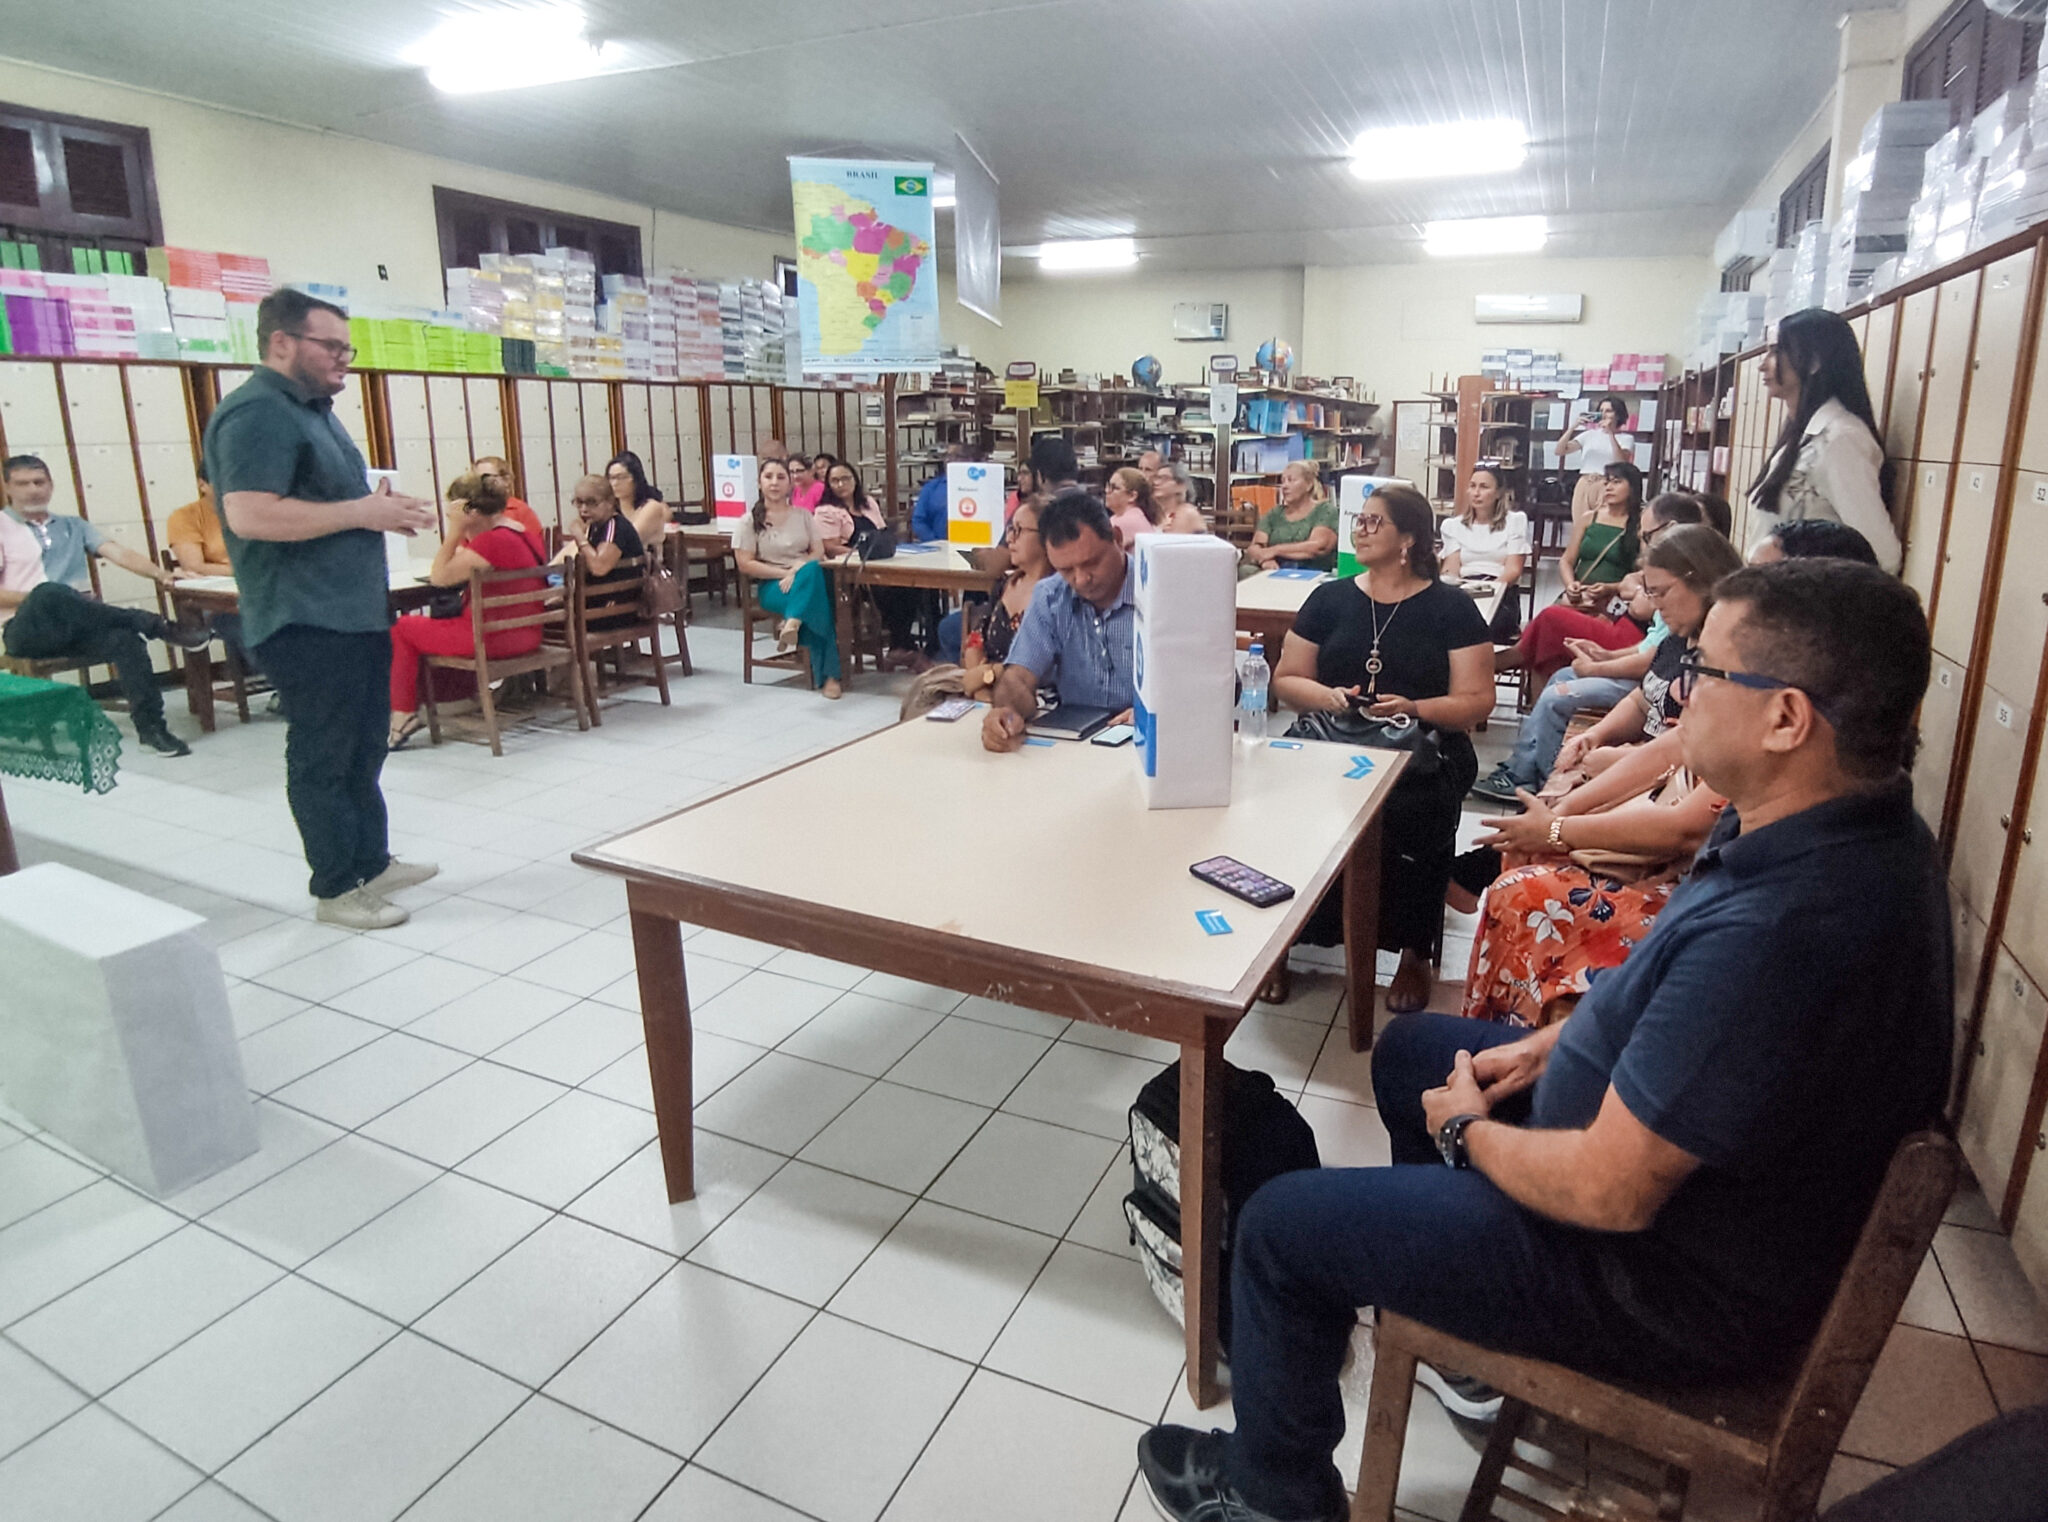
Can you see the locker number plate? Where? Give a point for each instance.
(2041, 491)
(2004, 715)
(1976, 480)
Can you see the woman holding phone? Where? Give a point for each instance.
(1593, 442)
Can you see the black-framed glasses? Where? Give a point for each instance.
(1691, 668)
(345, 352)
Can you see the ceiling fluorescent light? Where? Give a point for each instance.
(1088, 254)
(1440, 151)
(1485, 235)
(510, 49)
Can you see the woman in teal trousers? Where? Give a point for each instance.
(780, 546)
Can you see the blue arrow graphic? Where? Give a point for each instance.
(1360, 766)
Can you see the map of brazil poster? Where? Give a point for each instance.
(868, 279)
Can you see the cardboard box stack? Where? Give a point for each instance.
(1938, 226)
(1810, 267)
(2015, 191)
(1879, 187)
(623, 316)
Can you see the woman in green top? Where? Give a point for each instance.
(1302, 530)
(1603, 547)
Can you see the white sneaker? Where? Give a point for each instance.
(360, 909)
(400, 875)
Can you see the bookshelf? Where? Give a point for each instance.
(1698, 428)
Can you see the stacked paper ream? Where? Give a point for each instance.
(1186, 644)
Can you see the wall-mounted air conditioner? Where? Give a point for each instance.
(1558, 308)
(1201, 321)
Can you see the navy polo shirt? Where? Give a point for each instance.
(1787, 1021)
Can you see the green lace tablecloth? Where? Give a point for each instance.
(55, 730)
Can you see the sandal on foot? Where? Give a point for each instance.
(402, 735)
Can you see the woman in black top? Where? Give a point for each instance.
(601, 537)
(1408, 644)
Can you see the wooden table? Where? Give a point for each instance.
(56, 732)
(927, 567)
(1093, 918)
(711, 544)
(1268, 603)
(201, 597)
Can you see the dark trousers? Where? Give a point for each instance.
(336, 689)
(1445, 1247)
(55, 622)
(1418, 842)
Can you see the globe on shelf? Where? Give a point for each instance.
(1276, 358)
(1145, 370)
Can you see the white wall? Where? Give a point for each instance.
(320, 206)
(1393, 326)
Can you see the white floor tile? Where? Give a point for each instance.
(945, 1279)
(416, 1407)
(575, 1045)
(1091, 1329)
(1086, 1090)
(672, 1367)
(1026, 1173)
(1101, 1223)
(1347, 1135)
(965, 1059)
(1928, 1303)
(283, 1137)
(212, 1396)
(1016, 1017)
(595, 901)
(900, 1137)
(362, 1085)
(92, 1469)
(633, 1198)
(212, 1503)
(511, 943)
(523, 887)
(1925, 1390)
(1339, 1072)
(335, 969)
(66, 1243)
(1104, 1038)
(415, 988)
(313, 1204)
(110, 1326)
(447, 922)
(584, 965)
(764, 1008)
(1998, 1303)
(1313, 999)
(698, 1495)
(886, 985)
(862, 1034)
(705, 977)
(275, 945)
(32, 1176)
(32, 1399)
(425, 1246)
(803, 1233)
(563, 1150)
(469, 1109)
(1278, 1045)
(549, 1464)
(255, 1006)
(535, 1308)
(833, 1428)
(292, 1048)
(780, 1102)
(500, 1011)
(1010, 1453)
(736, 949)
(815, 969)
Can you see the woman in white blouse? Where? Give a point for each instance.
(1593, 442)
(1829, 462)
(1489, 539)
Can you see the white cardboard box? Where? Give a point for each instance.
(1187, 642)
(974, 503)
(735, 482)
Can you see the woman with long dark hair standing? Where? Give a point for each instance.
(1829, 461)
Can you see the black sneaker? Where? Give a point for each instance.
(1460, 1394)
(1500, 783)
(161, 740)
(185, 636)
(1183, 1474)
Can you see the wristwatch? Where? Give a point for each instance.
(1450, 1140)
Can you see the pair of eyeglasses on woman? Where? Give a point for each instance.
(1691, 668)
(1370, 523)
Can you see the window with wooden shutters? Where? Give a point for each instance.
(1804, 201)
(69, 182)
(473, 225)
(1970, 57)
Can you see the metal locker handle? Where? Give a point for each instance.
(2005, 821)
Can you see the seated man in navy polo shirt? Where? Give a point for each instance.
(1667, 1184)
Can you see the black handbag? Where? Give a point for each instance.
(871, 543)
(1423, 742)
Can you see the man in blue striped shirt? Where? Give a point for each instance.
(1079, 633)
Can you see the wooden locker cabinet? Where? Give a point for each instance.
(1969, 936)
(1983, 818)
(2002, 1076)
(1965, 548)
(1878, 336)
(2012, 661)
(1948, 365)
(1941, 712)
(1924, 487)
(1909, 376)
(2026, 913)
(156, 402)
(1994, 362)
(2030, 1221)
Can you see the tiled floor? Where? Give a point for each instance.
(449, 1286)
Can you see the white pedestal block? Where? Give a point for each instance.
(115, 1033)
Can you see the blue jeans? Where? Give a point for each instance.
(949, 638)
(1447, 1248)
(1543, 728)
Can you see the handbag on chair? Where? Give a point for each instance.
(660, 597)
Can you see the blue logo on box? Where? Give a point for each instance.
(976, 472)
(1212, 922)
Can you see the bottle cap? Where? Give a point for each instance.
(1258, 648)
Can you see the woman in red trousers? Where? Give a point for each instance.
(482, 538)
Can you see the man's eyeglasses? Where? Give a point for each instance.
(345, 352)
(1691, 668)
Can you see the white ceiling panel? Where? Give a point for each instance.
(1213, 130)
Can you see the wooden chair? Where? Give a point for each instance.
(752, 614)
(1779, 1433)
(594, 603)
(675, 559)
(494, 611)
(242, 679)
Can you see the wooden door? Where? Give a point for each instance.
(2002, 1076)
(1909, 376)
(1948, 365)
(1994, 363)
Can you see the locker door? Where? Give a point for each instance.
(167, 472)
(448, 403)
(1984, 818)
(412, 437)
(1994, 365)
(690, 444)
(2021, 632)
(1967, 934)
(1877, 357)
(637, 409)
(718, 398)
(349, 407)
(1925, 487)
(2026, 915)
(486, 417)
(571, 458)
(597, 424)
(1940, 712)
(1948, 363)
(98, 415)
(1909, 377)
(2008, 1047)
(156, 403)
(1959, 590)
(666, 460)
(2030, 1224)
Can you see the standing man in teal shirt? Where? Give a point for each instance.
(306, 536)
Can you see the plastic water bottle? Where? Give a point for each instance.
(1251, 701)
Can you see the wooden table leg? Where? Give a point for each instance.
(1201, 1206)
(665, 1015)
(842, 624)
(1362, 933)
(9, 861)
(199, 686)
